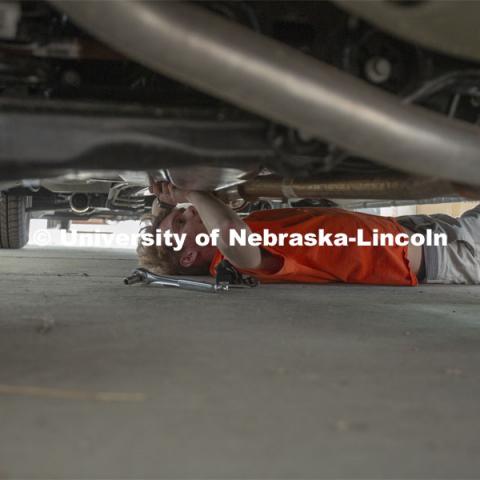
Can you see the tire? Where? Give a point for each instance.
(65, 224)
(52, 223)
(62, 224)
(14, 220)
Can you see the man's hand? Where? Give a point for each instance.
(167, 193)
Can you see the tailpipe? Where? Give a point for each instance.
(79, 202)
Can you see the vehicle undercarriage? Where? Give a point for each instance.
(267, 103)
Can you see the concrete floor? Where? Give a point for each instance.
(278, 382)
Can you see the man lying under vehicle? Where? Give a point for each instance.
(407, 264)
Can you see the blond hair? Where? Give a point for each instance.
(156, 258)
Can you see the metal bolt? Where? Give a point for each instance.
(378, 69)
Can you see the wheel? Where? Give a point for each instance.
(65, 224)
(62, 224)
(14, 220)
(52, 223)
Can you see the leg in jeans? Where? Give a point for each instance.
(459, 260)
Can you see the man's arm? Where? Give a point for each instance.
(216, 215)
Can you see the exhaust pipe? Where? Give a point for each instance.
(79, 202)
(378, 187)
(224, 59)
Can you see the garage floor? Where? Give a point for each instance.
(98, 379)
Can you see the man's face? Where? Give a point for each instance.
(183, 221)
(187, 221)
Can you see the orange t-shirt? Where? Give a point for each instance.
(381, 265)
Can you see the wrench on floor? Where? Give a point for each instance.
(227, 277)
(141, 275)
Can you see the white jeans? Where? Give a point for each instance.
(459, 260)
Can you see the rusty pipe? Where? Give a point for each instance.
(390, 186)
